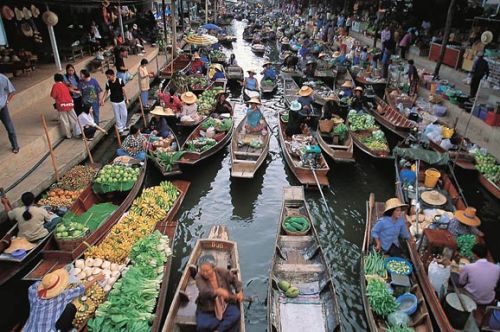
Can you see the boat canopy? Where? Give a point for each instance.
(427, 156)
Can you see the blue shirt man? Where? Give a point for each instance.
(6, 92)
(218, 75)
(389, 231)
(269, 74)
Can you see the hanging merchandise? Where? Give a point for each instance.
(35, 12)
(50, 18)
(27, 13)
(27, 30)
(19, 14)
(7, 13)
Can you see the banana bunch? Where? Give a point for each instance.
(87, 304)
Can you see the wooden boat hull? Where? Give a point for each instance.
(339, 153)
(300, 261)
(244, 164)
(378, 154)
(175, 168)
(490, 186)
(268, 88)
(235, 73)
(290, 90)
(259, 50)
(182, 313)
(178, 64)
(391, 119)
(420, 320)
(304, 174)
(463, 160)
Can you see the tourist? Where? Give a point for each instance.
(217, 307)
(170, 100)
(197, 64)
(385, 35)
(86, 121)
(405, 42)
(250, 82)
(219, 72)
(118, 97)
(134, 145)
(413, 78)
(465, 222)
(121, 70)
(479, 70)
(6, 94)
(222, 106)
(144, 77)
(189, 110)
(51, 307)
(254, 121)
(269, 73)
(64, 105)
(158, 124)
(71, 80)
(33, 222)
(480, 278)
(358, 100)
(91, 93)
(390, 227)
(386, 60)
(306, 100)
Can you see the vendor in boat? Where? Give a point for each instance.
(306, 100)
(295, 119)
(322, 64)
(290, 60)
(346, 89)
(254, 123)
(250, 82)
(158, 125)
(219, 72)
(390, 228)
(330, 108)
(189, 110)
(222, 106)
(217, 305)
(197, 65)
(269, 73)
(358, 101)
(50, 302)
(310, 69)
(170, 100)
(134, 145)
(33, 222)
(465, 222)
(480, 278)
(232, 60)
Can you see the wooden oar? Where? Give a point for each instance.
(319, 187)
(51, 150)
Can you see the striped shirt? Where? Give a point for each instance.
(44, 313)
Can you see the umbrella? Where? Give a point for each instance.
(210, 26)
(201, 40)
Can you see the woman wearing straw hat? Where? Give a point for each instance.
(346, 89)
(254, 122)
(306, 99)
(465, 222)
(158, 124)
(390, 228)
(358, 101)
(269, 73)
(50, 302)
(222, 106)
(197, 64)
(250, 82)
(189, 111)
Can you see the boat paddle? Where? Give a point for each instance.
(319, 187)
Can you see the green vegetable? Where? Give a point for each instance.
(374, 264)
(488, 166)
(398, 267)
(398, 328)
(381, 301)
(340, 130)
(361, 121)
(167, 159)
(284, 285)
(292, 292)
(465, 244)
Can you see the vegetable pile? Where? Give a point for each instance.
(374, 264)
(167, 159)
(465, 244)
(87, 269)
(376, 141)
(381, 300)
(60, 198)
(488, 166)
(398, 267)
(70, 231)
(340, 130)
(93, 217)
(296, 224)
(133, 298)
(207, 101)
(217, 55)
(198, 82)
(164, 144)
(79, 177)
(146, 211)
(361, 121)
(289, 290)
(200, 144)
(115, 178)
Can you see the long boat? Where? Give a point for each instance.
(290, 90)
(54, 258)
(491, 187)
(359, 136)
(342, 153)
(300, 261)
(420, 320)
(391, 118)
(166, 169)
(307, 175)
(394, 98)
(246, 160)
(178, 64)
(182, 313)
(194, 157)
(258, 49)
(235, 72)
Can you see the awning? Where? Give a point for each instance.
(427, 156)
(201, 40)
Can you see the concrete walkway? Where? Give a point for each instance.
(26, 110)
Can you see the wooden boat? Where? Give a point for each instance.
(226, 39)
(290, 90)
(173, 169)
(182, 313)
(179, 63)
(378, 85)
(258, 49)
(420, 320)
(192, 157)
(247, 35)
(391, 118)
(320, 93)
(307, 175)
(245, 160)
(325, 74)
(358, 136)
(342, 153)
(235, 73)
(266, 87)
(53, 257)
(491, 187)
(300, 261)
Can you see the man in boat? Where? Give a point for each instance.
(390, 228)
(217, 307)
(269, 73)
(465, 222)
(50, 302)
(481, 277)
(358, 101)
(295, 119)
(322, 64)
(310, 70)
(222, 106)
(196, 64)
(290, 61)
(158, 124)
(306, 100)
(254, 122)
(134, 145)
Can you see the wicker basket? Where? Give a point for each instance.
(326, 126)
(296, 233)
(70, 245)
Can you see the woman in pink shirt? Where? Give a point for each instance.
(64, 105)
(405, 43)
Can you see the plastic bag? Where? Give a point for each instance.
(438, 276)
(398, 318)
(446, 144)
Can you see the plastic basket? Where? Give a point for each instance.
(70, 245)
(301, 233)
(326, 126)
(432, 176)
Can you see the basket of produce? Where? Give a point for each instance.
(197, 83)
(398, 265)
(69, 235)
(207, 101)
(60, 198)
(115, 178)
(408, 303)
(326, 125)
(296, 225)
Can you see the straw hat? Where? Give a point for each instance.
(26, 13)
(26, 29)
(19, 14)
(393, 203)
(35, 11)
(267, 62)
(218, 67)
(305, 91)
(336, 54)
(53, 284)
(7, 13)
(50, 18)
(321, 55)
(160, 111)
(433, 197)
(19, 243)
(189, 97)
(285, 41)
(105, 3)
(295, 106)
(331, 96)
(358, 88)
(468, 217)
(486, 37)
(310, 62)
(254, 101)
(347, 84)
(196, 56)
(251, 71)
(222, 92)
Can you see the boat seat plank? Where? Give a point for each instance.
(302, 317)
(300, 268)
(247, 154)
(186, 315)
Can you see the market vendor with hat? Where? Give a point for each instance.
(197, 64)
(465, 222)
(219, 72)
(254, 121)
(222, 106)
(50, 302)
(358, 101)
(310, 69)
(306, 99)
(322, 64)
(250, 82)
(390, 227)
(295, 119)
(331, 107)
(269, 73)
(189, 110)
(158, 124)
(346, 89)
(285, 44)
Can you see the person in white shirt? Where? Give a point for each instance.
(86, 121)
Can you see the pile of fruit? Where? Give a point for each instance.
(133, 298)
(200, 144)
(115, 178)
(488, 166)
(376, 141)
(71, 231)
(79, 177)
(146, 211)
(207, 101)
(58, 197)
(87, 304)
(361, 121)
(198, 82)
(296, 224)
(289, 290)
(217, 55)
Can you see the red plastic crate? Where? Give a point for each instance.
(492, 119)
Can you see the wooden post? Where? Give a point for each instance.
(52, 155)
(85, 142)
(117, 132)
(174, 34)
(142, 111)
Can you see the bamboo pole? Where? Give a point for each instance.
(174, 34)
(85, 142)
(51, 150)
(142, 111)
(117, 132)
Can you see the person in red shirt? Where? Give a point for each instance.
(64, 105)
(197, 64)
(170, 100)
